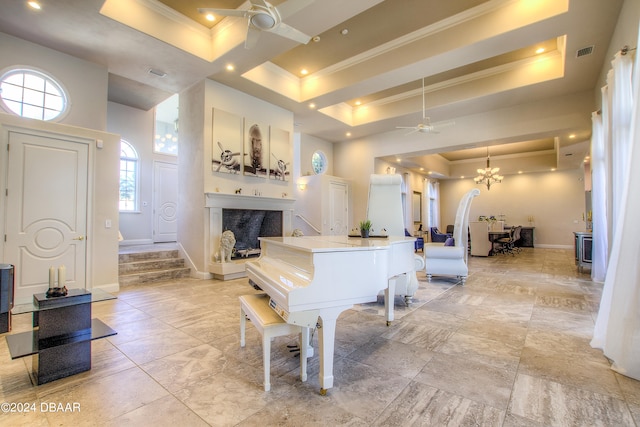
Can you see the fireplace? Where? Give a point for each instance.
(277, 221)
(249, 224)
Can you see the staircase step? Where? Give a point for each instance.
(153, 276)
(149, 265)
(144, 266)
(146, 256)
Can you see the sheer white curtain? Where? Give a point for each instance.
(600, 248)
(425, 206)
(621, 104)
(432, 191)
(617, 329)
(408, 200)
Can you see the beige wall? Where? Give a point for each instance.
(102, 242)
(195, 172)
(85, 82)
(138, 128)
(556, 200)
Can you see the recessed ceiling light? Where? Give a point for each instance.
(230, 67)
(429, 173)
(540, 50)
(358, 103)
(304, 71)
(316, 39)
(210, 17)
(34, 5)
(573, 135)
(553, 169)
(421, 169)
(312, 105)
(344, 32)
(348, 133)
(462, 177)
(398, 160)
(519, 172)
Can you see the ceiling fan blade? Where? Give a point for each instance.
(224, 12)
(261, 3)
(289, 32)
(428, 129)
(253, 35)
(290, 7)
(443, 124)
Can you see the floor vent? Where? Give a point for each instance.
(584, 51)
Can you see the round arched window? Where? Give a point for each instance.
(319, 162)
(31, 93)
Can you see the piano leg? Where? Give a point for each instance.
(304, 345)
(326, 341)
(389, 296)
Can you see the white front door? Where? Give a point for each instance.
(165, 202)
(46, 217)
(338, 208)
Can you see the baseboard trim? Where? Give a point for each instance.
(545, 246)
(108, 287)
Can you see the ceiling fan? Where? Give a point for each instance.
(426, 126)
(263, 16)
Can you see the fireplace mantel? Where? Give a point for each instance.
(216, 202)
(242, 201)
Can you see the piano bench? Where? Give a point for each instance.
(256, 308)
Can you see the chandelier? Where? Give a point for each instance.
(488, 175)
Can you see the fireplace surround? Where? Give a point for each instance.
(276, 209)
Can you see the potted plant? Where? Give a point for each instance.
(365, 227)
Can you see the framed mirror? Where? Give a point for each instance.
(416, 202)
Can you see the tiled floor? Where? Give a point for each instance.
(510, 348)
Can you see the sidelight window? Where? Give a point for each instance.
(128, 177)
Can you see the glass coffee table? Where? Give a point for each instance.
(63, 329)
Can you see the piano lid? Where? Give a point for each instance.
(336, 243)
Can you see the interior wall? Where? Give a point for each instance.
(308, 145)
(138, 128)
(555, 200)
(195, 170)
(102, 241)
(354, 160)
(85, 82)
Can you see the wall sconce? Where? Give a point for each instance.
(302, 186)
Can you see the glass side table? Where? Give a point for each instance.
(62, 333)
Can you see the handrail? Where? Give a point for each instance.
(308, 223)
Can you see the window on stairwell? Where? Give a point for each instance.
(33, 94)
(128, 177)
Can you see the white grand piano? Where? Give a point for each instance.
(312, 279)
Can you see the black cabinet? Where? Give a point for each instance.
(527, 238)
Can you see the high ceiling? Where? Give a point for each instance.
(366, 64)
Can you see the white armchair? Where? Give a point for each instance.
(384, 209)
(452, 260)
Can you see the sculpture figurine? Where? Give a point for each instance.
(297, 233)
(227, 242)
